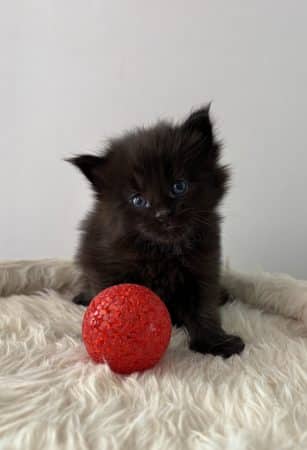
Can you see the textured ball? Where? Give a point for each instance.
(127, 326)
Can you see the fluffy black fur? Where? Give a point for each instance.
(172, 244)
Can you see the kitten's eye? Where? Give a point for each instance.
(139, 202)
(180, 187)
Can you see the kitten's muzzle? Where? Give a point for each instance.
(165, 219)
(162, 214)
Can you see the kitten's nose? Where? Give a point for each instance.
(162, 214)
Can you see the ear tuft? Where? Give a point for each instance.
(89, 166)
(200, 121)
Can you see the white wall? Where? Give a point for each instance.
(75, 72)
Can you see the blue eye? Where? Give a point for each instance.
(139, 202)
(180, 187)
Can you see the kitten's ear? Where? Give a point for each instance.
(200, 121)
(91, 166)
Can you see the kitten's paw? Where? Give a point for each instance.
(226, 346)
(232, 345)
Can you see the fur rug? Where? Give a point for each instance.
(53, 397)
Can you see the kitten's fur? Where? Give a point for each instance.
(173, 246)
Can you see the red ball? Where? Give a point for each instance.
(127, 326)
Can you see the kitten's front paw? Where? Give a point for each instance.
(232, 345)
(226, 346)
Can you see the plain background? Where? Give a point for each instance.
(74, 73)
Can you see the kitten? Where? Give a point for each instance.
(154, 222)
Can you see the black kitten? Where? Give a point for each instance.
(154, 222)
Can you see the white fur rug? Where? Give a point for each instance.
(53, 397)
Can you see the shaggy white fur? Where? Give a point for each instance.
(53, 397)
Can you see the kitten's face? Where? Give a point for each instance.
(161, 183)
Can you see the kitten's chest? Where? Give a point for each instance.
(166, 275)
